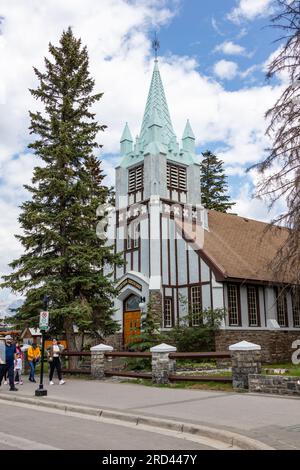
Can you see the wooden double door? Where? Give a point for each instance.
(131, 320)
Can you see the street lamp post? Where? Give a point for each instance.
(41, 392)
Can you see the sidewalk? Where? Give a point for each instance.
(272, 420)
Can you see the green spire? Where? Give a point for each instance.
(156, 105)
(126, 140)
(188, 131)
(157, 135)
(188, 138)
(155, 119)
(126, 134)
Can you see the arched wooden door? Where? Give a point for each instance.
(131, 319)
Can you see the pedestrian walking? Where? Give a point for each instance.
(54, 353)
(18, 369)
(33, 356)
(10, 356)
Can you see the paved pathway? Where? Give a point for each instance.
(272, 420)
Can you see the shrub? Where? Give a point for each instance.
(190, 338)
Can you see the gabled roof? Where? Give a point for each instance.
(241, 248)
(32, 331)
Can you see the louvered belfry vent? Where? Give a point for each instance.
(176, 177)
(136, 179)
(135, 184)
(177, 182)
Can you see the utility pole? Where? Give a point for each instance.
(44, 323)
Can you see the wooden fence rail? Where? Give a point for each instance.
(134, 354)
(147, 355)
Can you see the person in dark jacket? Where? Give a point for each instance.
(10, 356)
(53, 354)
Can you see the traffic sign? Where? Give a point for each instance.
(44, 320)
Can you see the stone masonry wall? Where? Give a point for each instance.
(243, 364)
(156, 303)
(116, 341)
(97, 365)
(275, 384)
(161, 368)
(276, 346)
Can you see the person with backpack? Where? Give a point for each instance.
(54, 353)
(33, 356)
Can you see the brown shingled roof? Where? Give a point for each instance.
(242, 248)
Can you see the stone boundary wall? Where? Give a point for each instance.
(116, 341)
(276, 346)
(275, 384)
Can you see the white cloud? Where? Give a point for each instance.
(253, 208)
(250, 9)
(226, 69)
(243, 32)
(115, 32)
(215, 26)
(235, 170)
(230, 48)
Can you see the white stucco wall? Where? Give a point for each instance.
(205, 272)
(194, 266)
(181, 260)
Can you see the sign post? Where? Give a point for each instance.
(44, 323)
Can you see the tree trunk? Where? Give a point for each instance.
(70, 337)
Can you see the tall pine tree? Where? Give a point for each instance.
(63, 257)
(213, 184)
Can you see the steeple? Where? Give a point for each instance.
(126, 140)
(157, 136)
(188, 138)
(156, 104)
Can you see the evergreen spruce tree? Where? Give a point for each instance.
(63, 257)
(213, 184)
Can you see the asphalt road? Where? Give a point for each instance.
(270, 419)
(26, 428)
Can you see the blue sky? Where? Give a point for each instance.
(197, 30)
(212, 60)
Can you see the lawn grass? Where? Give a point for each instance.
(216, 386)
(293, 369)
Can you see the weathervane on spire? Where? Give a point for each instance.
(155, 45)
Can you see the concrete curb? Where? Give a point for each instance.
(230, 438)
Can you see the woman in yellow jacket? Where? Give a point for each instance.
(33, 356)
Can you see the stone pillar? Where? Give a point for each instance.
(98, 360)
(155, 298)
(246, 359)
(162, 365)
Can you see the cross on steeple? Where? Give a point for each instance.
(155, 45)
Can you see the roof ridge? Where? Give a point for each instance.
(247, 218)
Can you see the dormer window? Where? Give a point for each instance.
(135, 184)
(176, 182)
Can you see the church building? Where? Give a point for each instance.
(183, 257)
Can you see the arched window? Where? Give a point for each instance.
(132, 303)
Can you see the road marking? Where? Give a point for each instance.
(23, 444)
